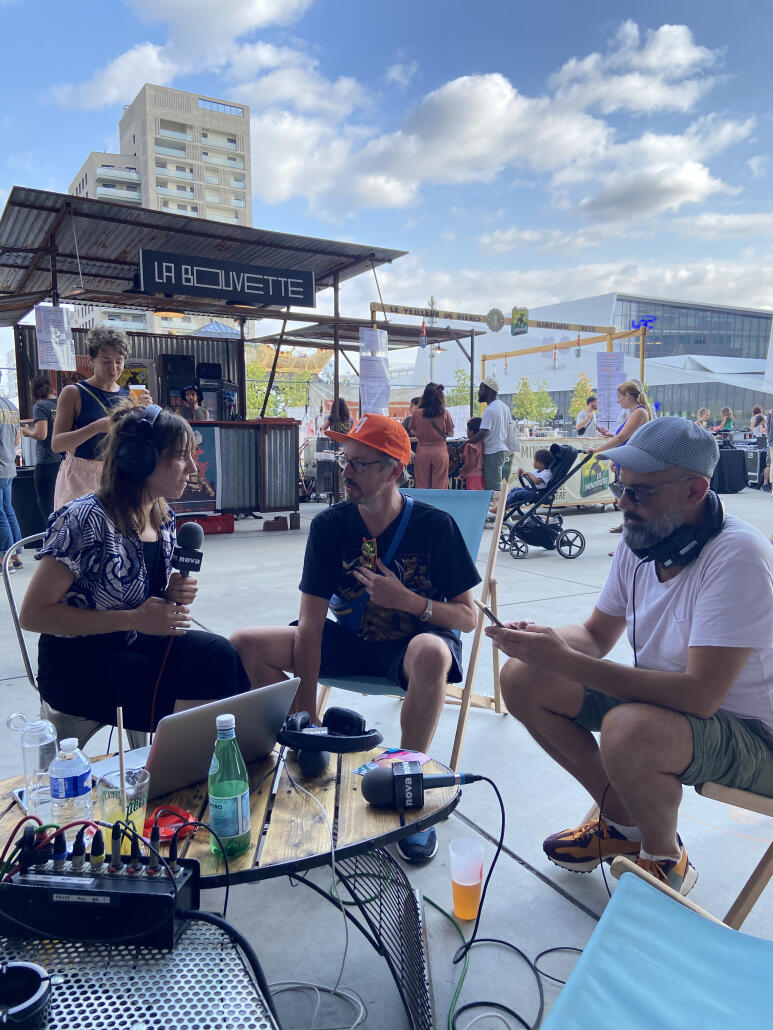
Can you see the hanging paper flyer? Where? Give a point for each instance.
(55, 343)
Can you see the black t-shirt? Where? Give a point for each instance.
(432, 560)
(45, 409)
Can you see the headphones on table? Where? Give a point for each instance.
(136, 453)
(686, 543)
(342, 731)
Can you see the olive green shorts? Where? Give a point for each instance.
(734, 752)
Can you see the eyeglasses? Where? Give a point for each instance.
(357, 464)
(642, 493)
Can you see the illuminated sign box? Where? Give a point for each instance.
(184, 274)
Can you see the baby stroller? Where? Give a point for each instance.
(523, 524)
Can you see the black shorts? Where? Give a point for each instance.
(346, 654)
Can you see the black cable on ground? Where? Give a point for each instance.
(247, 949)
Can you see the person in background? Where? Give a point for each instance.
(415, 401)
(703, 418)
(342, 421)
(539, 479)
(46, 461)
(9, 441)
(493, 434)
(83, 414)
(727, 423)
(113, 616)
(758, 425)
(636, 409)
(191, 408)
(431, 424)
(756, 410)
(587, 421)
(472, 469)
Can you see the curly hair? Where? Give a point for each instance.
(41, 387)
(106, 336)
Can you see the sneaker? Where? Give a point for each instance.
(680, 874)
(418, 847)
(585, 847)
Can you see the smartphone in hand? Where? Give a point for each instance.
(488, 613)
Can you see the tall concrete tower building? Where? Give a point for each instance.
(183, 153)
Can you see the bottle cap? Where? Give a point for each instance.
(225, 722)
(69, 744)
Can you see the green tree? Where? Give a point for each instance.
(583, 388)
(544, 407)
(288, 390)
(523, 405)
(460, 392)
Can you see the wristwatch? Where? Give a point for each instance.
(426, 615)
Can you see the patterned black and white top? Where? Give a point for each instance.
(109, 568)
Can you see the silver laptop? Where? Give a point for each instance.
(184, 741)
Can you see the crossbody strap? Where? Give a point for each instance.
(402, 526)
(103, 406)
(437, 428)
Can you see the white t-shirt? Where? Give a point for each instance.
(496, 418)
(590, 428)
(543, 475)
(722, 599)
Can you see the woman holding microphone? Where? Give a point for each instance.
(113, 616)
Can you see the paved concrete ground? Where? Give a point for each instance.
(252, 577)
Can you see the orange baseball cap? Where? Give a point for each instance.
(380, 432)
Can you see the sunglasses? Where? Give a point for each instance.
(642, 493)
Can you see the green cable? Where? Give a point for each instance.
(466, 962)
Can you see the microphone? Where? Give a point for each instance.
(402, 784)
(186, 557)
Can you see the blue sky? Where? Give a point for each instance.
(523, 153)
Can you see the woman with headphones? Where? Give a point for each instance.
(113, 616)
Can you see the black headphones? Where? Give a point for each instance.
(342, 731)
(136, 454)
(686, 543)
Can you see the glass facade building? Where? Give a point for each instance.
(693, 329)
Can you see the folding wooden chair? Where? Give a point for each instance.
(657, 960)
(64, 724)
(469, 509)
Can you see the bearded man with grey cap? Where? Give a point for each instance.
(698, 703)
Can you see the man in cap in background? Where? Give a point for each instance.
(698, 703)
(493, 432)
(395, 619)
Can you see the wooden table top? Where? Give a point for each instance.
(288, 831)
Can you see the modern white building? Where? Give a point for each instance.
(183, 153)
(696, 354)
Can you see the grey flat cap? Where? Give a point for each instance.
(666, 442)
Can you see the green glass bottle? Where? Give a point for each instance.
(229, 793)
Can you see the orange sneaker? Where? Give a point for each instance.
(680, 874)
(585, 847)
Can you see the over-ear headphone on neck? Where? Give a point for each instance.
(342, 731)
(136, 454)
(686, 543)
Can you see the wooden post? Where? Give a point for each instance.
(610, 343)
(494, 606)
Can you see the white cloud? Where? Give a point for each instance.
(758, 166)
(713, 226)
(639, 78)
(653, 191)
(402, 72)
(304, 90)
(202, 35)
(502, 241)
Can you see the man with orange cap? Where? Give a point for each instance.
(398, 577)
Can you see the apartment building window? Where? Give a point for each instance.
(182, 207)
(212, 180)
(212, 105)
(195, 208)
(231, 139)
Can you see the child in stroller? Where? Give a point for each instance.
(542, 529)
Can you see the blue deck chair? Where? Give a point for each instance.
(656, 960)
(469, 509)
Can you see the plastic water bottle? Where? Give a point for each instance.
(70, 775)
(38, 750)
(229, 793)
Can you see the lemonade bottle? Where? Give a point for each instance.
(229, 793)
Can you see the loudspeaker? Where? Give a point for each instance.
(209, 370)
(180, 365)
(755, 465)
(136, 454)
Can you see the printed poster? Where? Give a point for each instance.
(610, 373)
(56, 348)
(201, 493)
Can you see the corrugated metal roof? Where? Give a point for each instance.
(98, 241)
(399, 335)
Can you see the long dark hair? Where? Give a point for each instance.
(123, 495)
(343, 412)
(433, 402)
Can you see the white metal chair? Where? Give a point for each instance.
(64, 724)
